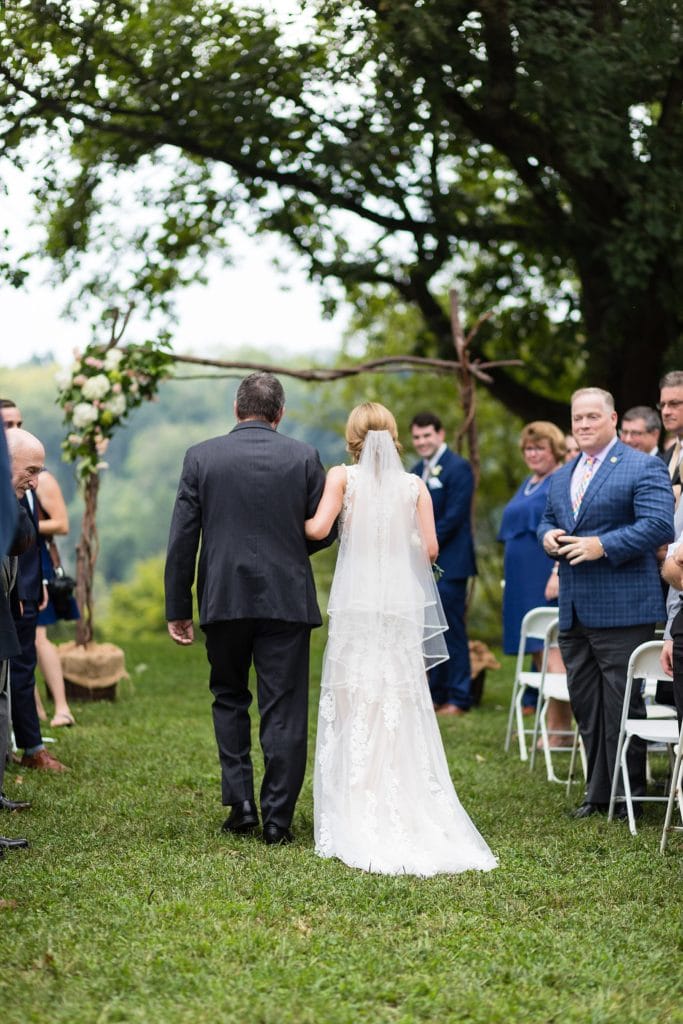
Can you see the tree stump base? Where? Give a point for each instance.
(91, 672)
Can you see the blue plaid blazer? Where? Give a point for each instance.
(629, 506)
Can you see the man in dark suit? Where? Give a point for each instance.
(451, 485)
(15, 536)
(607, 513)
(28, 456)
(247, 495)
(671, 407)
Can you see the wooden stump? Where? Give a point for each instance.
(91, 672)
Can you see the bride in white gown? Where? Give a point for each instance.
(383, 798)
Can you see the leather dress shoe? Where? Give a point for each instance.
(277, 835)
(242, 819)
(621, 812)
(587, 809)
(13, 805)
(43, 761)
(446, 710)
(13, 844)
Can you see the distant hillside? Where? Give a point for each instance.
(145, 457)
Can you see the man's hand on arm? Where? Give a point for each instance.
(182, 631)
(666, 657)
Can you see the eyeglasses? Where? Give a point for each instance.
(673, 404)
(633, 433)
(535, 448)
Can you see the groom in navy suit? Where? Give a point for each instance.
(451, 484)
(607, 513)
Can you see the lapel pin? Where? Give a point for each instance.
(614, 459)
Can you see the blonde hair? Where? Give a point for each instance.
(543, 430)
(368, 416)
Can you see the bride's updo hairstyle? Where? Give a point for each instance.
(368, 416)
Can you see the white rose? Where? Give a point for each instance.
(116, 405)
(83, 415)
(112, 359)
(96, 387)
(63, 379)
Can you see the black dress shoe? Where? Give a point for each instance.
(242, 819)
(13, 805)
(276, 835)
(587, 809)
(621, 812)
(13, 844)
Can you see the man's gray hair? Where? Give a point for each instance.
(260, 396)
(643, 412)
(673, 379)
(606, 396)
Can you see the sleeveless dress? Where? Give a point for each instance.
(383, 797)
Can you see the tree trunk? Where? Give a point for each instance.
(87, 550)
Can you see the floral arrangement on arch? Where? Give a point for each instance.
(104, 384)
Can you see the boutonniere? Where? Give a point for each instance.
(435, 471)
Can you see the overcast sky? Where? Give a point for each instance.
(245, 305)
(250, 304)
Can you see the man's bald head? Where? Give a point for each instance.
(28, 457)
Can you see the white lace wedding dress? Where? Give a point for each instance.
(383, 797)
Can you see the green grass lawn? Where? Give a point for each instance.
(132, 906)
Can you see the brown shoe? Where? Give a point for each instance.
(43, 761)
(451, 709)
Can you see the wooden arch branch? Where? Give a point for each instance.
(395, 364)
(467, 371)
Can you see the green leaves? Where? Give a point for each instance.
(530, 150)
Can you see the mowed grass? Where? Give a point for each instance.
(132, 906)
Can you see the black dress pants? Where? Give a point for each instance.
(280, 655)
(25, 721)
(596, 661)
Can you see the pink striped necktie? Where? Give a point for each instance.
(588, 467)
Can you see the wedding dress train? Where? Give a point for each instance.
(383, 796)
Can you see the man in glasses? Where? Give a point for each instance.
(671, 407)
(640, 429)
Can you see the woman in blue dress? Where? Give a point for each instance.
(528, 570)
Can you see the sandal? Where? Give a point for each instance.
(63, 718)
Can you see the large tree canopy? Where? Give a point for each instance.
(531, 151)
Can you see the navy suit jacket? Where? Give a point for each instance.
(451, 490)
(629, 506)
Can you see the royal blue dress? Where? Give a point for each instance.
(526, 565)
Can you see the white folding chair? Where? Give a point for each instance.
(534, 627)
(642, 665)
(675, 795)
(553, 686)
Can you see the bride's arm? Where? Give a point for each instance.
(330, 505)
(425, 518)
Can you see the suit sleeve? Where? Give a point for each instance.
(315, 476)
(653, 510)
(183, 543)
(458, 505)
(549, 519)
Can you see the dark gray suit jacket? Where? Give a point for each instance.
(246, 495)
